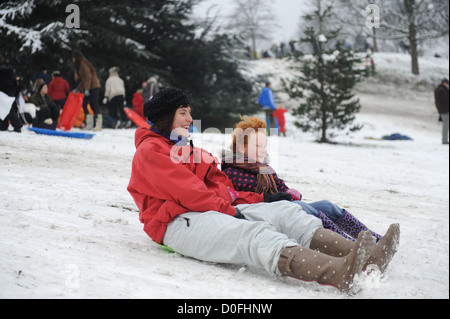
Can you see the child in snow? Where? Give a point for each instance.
(186, 203)
(279, 115)
(247, 168)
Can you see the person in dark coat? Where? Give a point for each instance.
(441, 98)
(7, 86)
(42, 73)
(47, 113)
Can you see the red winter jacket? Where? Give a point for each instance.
(279, 115)
(58, 89)
(169, 180)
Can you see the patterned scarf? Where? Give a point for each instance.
(264, 173)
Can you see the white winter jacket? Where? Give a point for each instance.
(114, 87)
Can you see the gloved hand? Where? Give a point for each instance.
(86, 93)
(295, 194)
(105, 100)
(269, 198)
(238, 214)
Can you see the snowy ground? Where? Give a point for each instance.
(69, 228)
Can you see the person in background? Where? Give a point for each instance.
(150, 88)
(8, 87)
(441, 99)
(42, 73)
(89, 85)
(115, 97)
(47, 113)
(268, 105)
(138, 102)
(58, 89)
(279, 115)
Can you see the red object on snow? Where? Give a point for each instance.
(279, 115)
(136, 118)
(138, 104)
(70, 111)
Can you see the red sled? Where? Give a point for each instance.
(136, 118)
(70, 111)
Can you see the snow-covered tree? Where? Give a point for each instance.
(142, 37)
(413, 22)
(253, 20)
(326, 80)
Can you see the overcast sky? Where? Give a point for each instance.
(287, 14)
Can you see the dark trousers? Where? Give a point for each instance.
(93, 100)
(45, 113)
(13, 117)
(115, 107)
(60, 103)
(270, 118)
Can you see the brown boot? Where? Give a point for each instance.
(333, 244)
(309, 265)
(384, 250)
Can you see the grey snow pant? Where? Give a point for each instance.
(255, 241)
(445, 125)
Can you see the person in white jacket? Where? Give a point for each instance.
(115, 97)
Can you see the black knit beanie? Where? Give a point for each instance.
(41, 86)
(164, 102)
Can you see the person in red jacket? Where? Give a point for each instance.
(58, 90)
(279, 115)
(138, 102)
(188, 204)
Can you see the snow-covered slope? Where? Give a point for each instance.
(69, 228)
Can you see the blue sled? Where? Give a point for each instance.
(81, 135)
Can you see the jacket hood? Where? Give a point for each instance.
(144, 133)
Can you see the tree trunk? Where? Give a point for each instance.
(254, 53)
(375, 44)
(414, 56)
(322, 80)
(412, 36)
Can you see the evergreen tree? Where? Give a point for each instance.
(142, 37)
(326, 82)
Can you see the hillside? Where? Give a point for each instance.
(69, 228)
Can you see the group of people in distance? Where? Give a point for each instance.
(243, 213)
